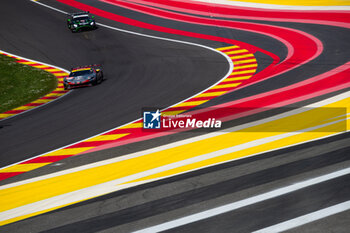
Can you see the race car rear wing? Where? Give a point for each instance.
(79, 13)
(96, 66)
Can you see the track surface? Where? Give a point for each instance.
(139, 72)
(112, 102)
(152, 204)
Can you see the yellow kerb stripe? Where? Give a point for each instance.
(60, 74)
(226, 85)
(40, 101)
(40, 66)
(244, 61)
(23, 167)
(106, 137)
(237, 78)
(52, 70)
(191, 103)
(217, 93)
(237, 51)
(24, 107)
(229, 47)
(241, 56)
(54, 94)
(69, 151)
(28, 62)
(3, 115)
(243, 72)
(132, 126)
(246, 66)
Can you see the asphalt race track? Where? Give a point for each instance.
(148, 72)
(139, 72)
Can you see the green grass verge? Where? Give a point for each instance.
(21, 84)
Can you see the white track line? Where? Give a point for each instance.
(50, 7)
(307, 218)
(245, 202)
(144, 35)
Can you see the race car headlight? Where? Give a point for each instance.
(75, 25)
(92, 23)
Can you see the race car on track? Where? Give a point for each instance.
(83, 76)
(81, 20)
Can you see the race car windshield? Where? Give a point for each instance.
(85, 18)
(80, 73)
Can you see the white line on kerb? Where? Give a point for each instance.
(307, 218)
(245, 202)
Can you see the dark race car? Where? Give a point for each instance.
(83, 76)
(81, 20)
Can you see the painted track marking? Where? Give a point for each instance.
(26, 198)
(246, 202)
(307, 218)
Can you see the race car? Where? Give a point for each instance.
(83, 76)
(81, 20)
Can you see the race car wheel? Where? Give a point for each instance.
(101, 79)
(95, 82)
